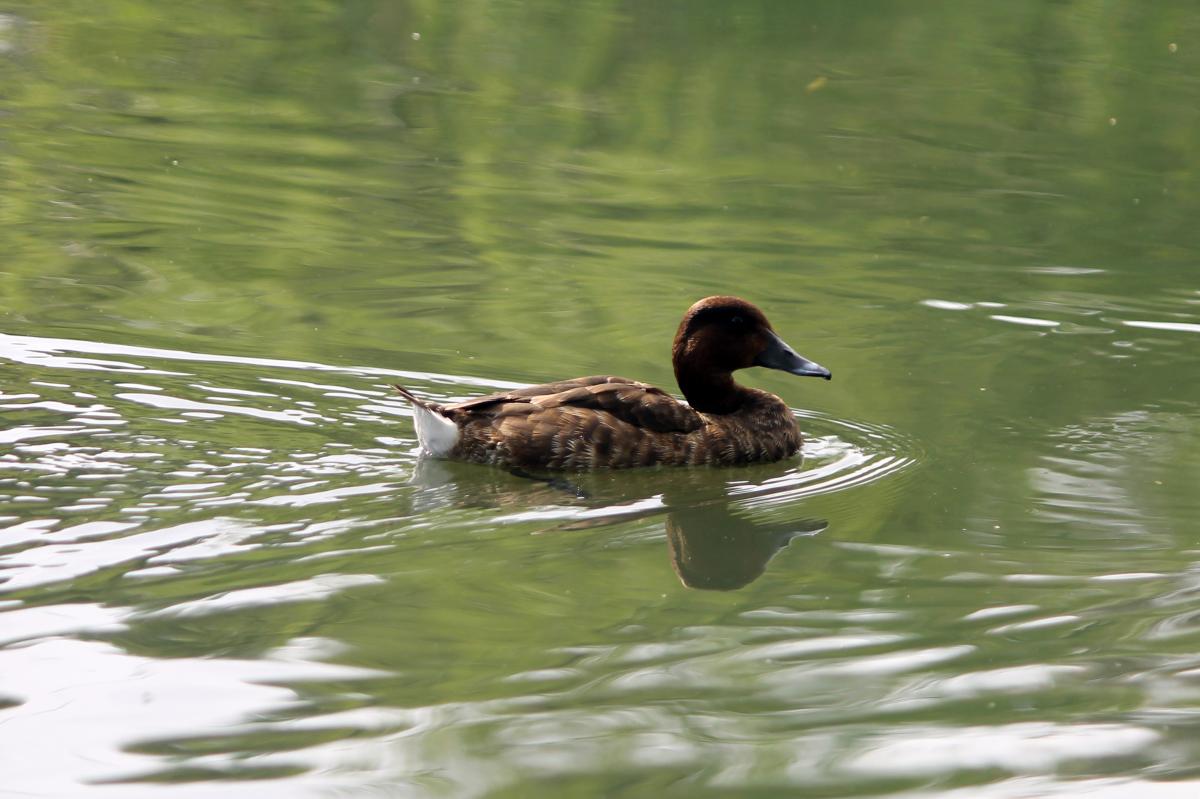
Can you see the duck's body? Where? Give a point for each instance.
(606, 422)
(612, 422)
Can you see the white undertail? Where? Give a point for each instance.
(437, 434)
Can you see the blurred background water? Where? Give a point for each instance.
(226, 226)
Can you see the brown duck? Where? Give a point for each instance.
(613, 422)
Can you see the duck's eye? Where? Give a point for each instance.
(737, 320)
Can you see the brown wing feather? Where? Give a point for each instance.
(629, 401)
(562, 438)
(523, 394)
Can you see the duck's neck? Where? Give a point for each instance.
(710, 392)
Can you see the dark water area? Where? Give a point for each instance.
(227, 227)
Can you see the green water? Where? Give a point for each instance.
(226, 226)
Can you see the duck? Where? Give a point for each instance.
(609, 422)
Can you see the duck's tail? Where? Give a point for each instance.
(413, 398)
(437, 432)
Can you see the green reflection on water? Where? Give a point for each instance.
(960, 208)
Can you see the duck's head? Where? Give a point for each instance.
(719, 335)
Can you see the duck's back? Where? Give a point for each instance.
(605, 421)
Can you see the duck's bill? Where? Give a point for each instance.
(778, 355)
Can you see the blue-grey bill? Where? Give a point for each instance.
(778, 355)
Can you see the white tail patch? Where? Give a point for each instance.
(437, 434)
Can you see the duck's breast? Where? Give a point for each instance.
(762, 431)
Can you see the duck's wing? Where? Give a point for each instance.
(545, 389)
(635, 403)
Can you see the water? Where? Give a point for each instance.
(224, 569)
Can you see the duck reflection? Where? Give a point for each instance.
(715, 542)
(715, 548)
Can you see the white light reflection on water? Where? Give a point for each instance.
(86, 706)
(155, 510)
(146, 568)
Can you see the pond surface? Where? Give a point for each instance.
(227, 226)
